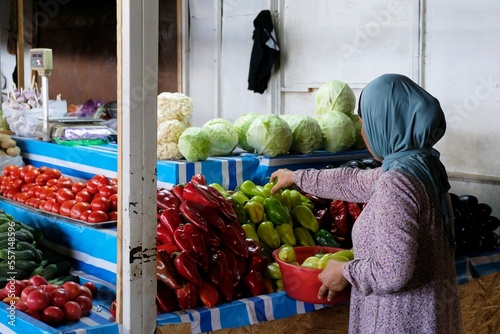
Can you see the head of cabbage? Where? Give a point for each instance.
(241, 126)
(338, 131)
(359, 143)
(270, 135)
(194, 144)
(306, 133)
(335, 96)
(222, 135)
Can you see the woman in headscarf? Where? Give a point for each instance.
(403, 275)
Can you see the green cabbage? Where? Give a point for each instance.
(223, 136)
(359, 143)
(270, 135)
(338, 131)
(194, 144)
(306, 133)
(241, 126)
(335, 96)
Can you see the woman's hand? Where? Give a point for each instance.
(284, 178)
(333, 279)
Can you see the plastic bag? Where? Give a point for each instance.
(23, 122)
(7, 160)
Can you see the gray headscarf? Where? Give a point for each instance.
(402, 122)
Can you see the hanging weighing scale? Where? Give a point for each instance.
(62, 128)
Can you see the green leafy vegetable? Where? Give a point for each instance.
(223, 136)
(270, 135)
(194, 144)
(306, 133)
(241, 126)
(335, 96)
(338, 131)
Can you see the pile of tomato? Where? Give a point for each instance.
(50, 303)
(45, 188)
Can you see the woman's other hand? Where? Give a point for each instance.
(283, 178)
(333, 279)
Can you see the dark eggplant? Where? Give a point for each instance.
(491, 223)
(482, 210)
(354, 164)
(455, 200)
(371, 163)
(468, 201)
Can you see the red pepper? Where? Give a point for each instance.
(354, 211)
(215, 272)
(170, 218)
(324, 218)
(187, 268)
(165, 299)
(187, 296)
(253, 246)
(211, 238)
(267, 285)
(209, 294)
(165, 270)
(193, 214)
(258, 263)
(199, 179)
(166, 199)
(212, 217)
(226, 206)
(190, 239)
(166, 238)
(178, 191)
(227, 284)
(196, 193)
(232, 263)
(112, 308)
(233, 240)
(338, 210)
(253, 281)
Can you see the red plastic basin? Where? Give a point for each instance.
(302, 283)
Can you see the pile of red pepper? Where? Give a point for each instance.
(336, 216)
(204, 257)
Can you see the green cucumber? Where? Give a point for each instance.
(8, 227)
(37, 271)
(20, 235)
(50, 271)
(25, 265)
(23, 245)
(16, 255)
(60, 280)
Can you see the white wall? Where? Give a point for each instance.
(449, 46)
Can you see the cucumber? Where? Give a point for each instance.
(8, 227)
(23, 245)
(37, 271)
(26, 227)
(25, 265)
(28, 232)
(50, 271)
(63, 267)
(17, 255)
(20, 235)
(18, 273)
(60, 280)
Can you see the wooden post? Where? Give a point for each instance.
(20, 43)
(137, 36)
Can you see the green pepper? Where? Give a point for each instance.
(323, 261)
(272, 271)
(325, 238)
(293, 197)
(268, 235)
(241, 214)
(302, 215)
(257, 198)
(250, 231)
(275, 211)
(255, 212)
(286, 234)
(220, 189)
(303, 237)
(287, 253)
(306, 201)
(279, 285)
(284, 200)
(268, 186)
(311, 262)
(240, 197)
(249, 188)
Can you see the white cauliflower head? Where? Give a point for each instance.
(174, 106)
(168, 134)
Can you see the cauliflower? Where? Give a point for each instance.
(168, 134)
(174, 106)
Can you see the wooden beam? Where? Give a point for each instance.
(20, 43)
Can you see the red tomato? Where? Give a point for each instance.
(41, 179)
(92, 287)
(42, 169)
(114, 181)
(108, 190)
(10, 193)
(37, 300)
(56, 207)
(47, 206)
(64, 194)
(78, 186)
(112, 308)
(30, 176)
(27, 187)
(72, 311)
(14, 287)
(26, 169)
(47, 193)
(15, 173)
(101, 203)
(33, 190)
(39, 204)
(18, 184)
(92, 186)
(51, 183)
(37, 280)
(103, 181)
(78, 209)
(26, 291)
(7, 169)
(73, 289)
(85, 303)
(65, 208)
(84, 196)
(21, 197)
(52, 173)
(97, 217)
(29, 200)
(112, 215)
(34, 314)
(85, 291)
(85, 215)
(97, 177)
(39, 191)
(53, 316)
(114, 202)
(59, 297)
(64, 182)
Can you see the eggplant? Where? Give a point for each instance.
(491, 223)
(482, 210)
(455, 201)
(468, 201)
(371, 163)
(354, 164)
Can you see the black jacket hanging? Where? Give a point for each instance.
(265, 52)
